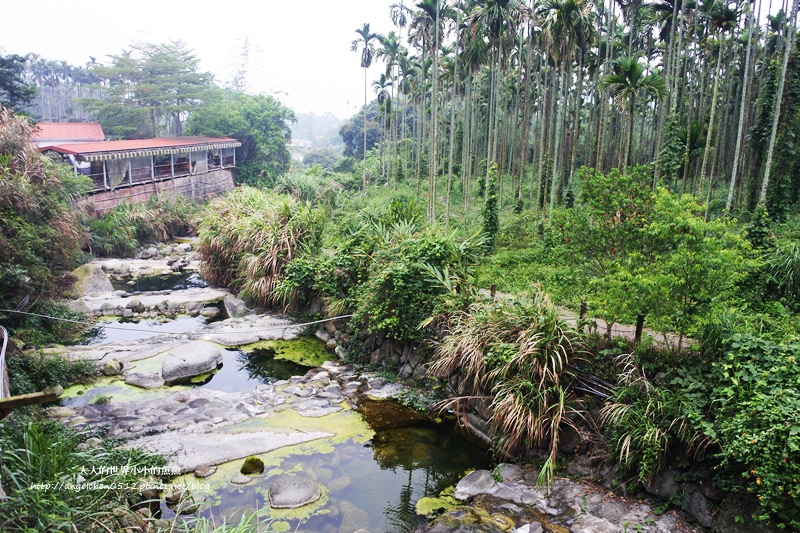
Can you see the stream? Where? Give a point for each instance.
(380, 459)
(254, 387)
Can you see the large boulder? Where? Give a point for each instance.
(235, 307)
(289, 491)
(91, 279)
(189, 360)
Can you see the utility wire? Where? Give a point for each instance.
(250, 330)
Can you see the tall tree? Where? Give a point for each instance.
(260, 123)
(366, 40)
(789, 47)
(14, 92)
(148, 90)
(626, 84)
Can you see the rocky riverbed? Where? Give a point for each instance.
(326, 436)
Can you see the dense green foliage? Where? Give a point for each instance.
(38, 453)
(36, 371)
(14, 92)
(120, 231)
(40, 230)
(260, 123)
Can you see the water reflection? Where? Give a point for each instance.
(374, 487)
(245, 371)
(162, 282)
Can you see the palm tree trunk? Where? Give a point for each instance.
(762, 199)
(627, 158)
(364, 156)
(557, 146)
(710, 135)
(742, 110)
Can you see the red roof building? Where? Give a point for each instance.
(50, 133)
(135, 170)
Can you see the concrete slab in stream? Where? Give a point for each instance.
(188, 451)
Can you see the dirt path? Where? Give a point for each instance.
(600, 326)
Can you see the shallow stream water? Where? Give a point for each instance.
(383, 458)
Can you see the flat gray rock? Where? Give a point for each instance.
(144, 380)
(288, 491)
(204, 471)
(241, 480)
(474, 483)
(390, 390)
(176, 298)
(235, 307)
(535, 527)
(232, 339)
(188, 451)
(587, 523)
(190, 359)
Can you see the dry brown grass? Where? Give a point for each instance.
(516, 354)
(249, 236)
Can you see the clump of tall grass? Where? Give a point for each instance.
(645, 419)
(121, 230)
(249, 236)
(39, 459)
(514, 355)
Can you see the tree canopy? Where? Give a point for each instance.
(148, 90)
(261, 123)
(15, 93)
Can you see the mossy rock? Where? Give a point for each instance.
(252, 465)
(431, 507)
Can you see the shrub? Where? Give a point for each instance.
(515, 355)
(40, 230)
(758, 421)
(645, 421)
(401, 288)
(249, 236)
(35, 371)
(37, 453)
(37, 330)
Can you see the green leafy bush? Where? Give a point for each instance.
(39, 330)
(35, 371)
(757, 399)
(400, 291)
(40, 228)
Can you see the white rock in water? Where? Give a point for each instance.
(190, 359)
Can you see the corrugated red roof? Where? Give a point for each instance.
(101, 151)
(68, 131)
(138, 144)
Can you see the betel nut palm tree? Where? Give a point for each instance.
(365, 40)
(626, 84)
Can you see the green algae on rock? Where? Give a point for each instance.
(306, 351)
(430, 506)
(252, 465)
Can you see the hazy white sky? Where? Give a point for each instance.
(304, 55)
